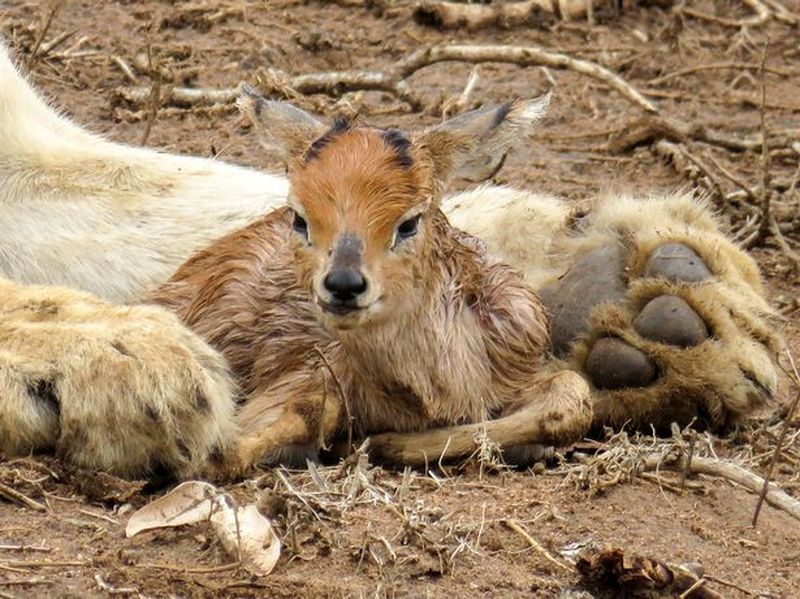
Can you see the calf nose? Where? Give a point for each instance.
(345, 284)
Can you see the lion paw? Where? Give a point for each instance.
(127, 390)
(666, 319)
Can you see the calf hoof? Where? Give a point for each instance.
(524, 456)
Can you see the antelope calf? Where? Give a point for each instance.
(358, 305)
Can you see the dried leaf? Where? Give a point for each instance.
(245, 533)
(189, 502)
(612, 569)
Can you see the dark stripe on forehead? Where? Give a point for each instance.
(340, 125)
(401, 145)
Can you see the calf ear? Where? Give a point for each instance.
(280, 127)
(470, 143)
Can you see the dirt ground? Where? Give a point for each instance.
(367, 532)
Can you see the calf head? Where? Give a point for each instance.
(365, 200)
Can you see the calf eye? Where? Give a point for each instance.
(300, 225)
(408, 228)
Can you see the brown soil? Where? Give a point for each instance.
(443, 536)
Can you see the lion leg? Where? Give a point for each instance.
(665, 317)
(127, 390)
(649, 300)
(557, 411)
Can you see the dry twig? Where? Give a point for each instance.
(22, 499)
(517, 528)
(342, 396)
(749, 192)
(766, 176)
(760, 17)
(125, 68)
(619, 460)
(732, 472)
(52, 10)
(40, 564)
(112, 590)
(523, 56)
(395, 81)
(733, 585)
(650, 129)
(27, 582)
(48, 47)
(782, 14)
(457, 104)
(154, 97)
(794, 376)
(712, 179)
(693, 168)
(775, 230)
(187, 570)
(25, 548)
(719, 66)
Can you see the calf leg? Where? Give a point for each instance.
(287, 423)
(556, 411)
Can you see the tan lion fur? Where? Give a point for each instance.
(115, 220)
(122, 389)
(519, 227)
(727, 378)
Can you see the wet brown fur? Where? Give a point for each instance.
(456, 339)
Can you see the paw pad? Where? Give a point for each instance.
(595, 278)
(598, 277)
(669, 319)
(677, 262)
(613, 364)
